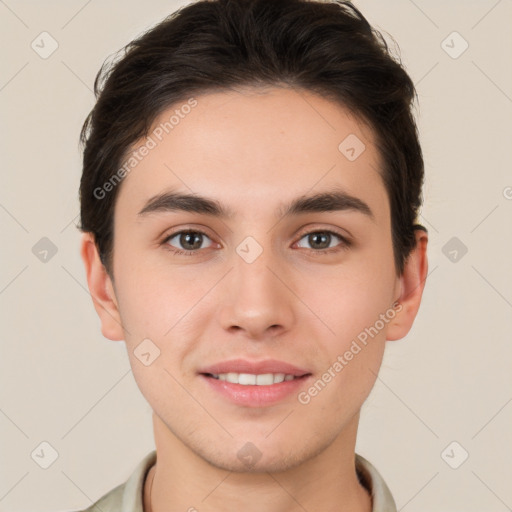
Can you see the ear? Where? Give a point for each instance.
(412, 283)
(101, 289)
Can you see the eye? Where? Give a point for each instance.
(321, 241)
(189, 241)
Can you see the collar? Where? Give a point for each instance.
(128, 497)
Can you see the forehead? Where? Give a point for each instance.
(254, 146)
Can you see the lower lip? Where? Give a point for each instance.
(256, 396)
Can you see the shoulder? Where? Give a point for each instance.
(372, 480)
(128, 496)
(110, 502)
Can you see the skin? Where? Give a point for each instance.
(252, 150)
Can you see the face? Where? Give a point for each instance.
(260, 289)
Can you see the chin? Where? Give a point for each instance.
(271, 458)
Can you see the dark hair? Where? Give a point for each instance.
(328, 48)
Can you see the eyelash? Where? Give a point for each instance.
(344, 245)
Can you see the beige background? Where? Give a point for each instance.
(449, 380)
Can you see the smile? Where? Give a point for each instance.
(249, 379)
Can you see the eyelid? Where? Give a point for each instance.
(169, 233)
(344, 242)
(302, 232)
(343, 234)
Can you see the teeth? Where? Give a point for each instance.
(249, 379)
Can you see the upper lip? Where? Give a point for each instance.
(254, 367)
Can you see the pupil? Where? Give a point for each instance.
(318, 237)
(186, 238)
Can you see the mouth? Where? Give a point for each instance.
(251, 379)
(254, 384)
(241, 367)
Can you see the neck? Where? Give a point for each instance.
(183, 481)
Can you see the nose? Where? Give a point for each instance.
(257, 300)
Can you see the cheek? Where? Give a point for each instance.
(349, 299)
(141, 305)
(165, 306)
(352, 356)
(359, 308)
(149, 295)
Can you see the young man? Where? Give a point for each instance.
(252, 177)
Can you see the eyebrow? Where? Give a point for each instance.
(327, 201)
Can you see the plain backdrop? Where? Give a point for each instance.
(444, 392)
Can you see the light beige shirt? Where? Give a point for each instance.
(127, 497)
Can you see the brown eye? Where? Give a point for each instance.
(324, 241)
(187, 241)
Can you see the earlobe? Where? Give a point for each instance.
(101, 290)
(412, 283)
